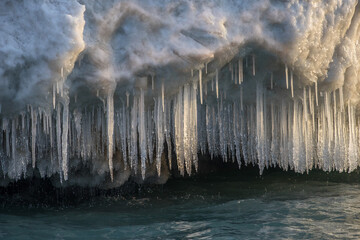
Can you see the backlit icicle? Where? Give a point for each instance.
(134, 136)
(292, 83)
(260, 126)
(353, 146)
(179, 133)
(217, 83)
(341, 96)
(200, 86)
(241, 73)
(287, 76)
(194, 127)
(58, 138)
(167, 133)
(110, 132)
(13, 144)
(142, 134)
(150, 135)
(33, 136)
(163, 96)
(64, 139)
(54, 96)
(159, 123)
(187, 129)
(316, 94)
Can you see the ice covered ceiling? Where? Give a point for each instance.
(92, 92)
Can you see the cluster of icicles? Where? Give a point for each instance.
(311, 129)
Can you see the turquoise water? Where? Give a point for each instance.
(223, 206)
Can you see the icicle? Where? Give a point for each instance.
(110, 132)
(54, 96)
(192, 72)
(200, 86)
(152, 82)
(57, 87)
(305, 103)
(179, 126)
(134, 137)
(187, 130)
(127, 99)
(64, 140)
(163, 96)
(241, 74)
(217, 83)
(159, 116)
(62, 72)
(316, 94)
(58, 136)
(253, 65)
(310, 101)
(193, 127)
(287, 76)
(167, 133)
(292, 83)
(97, 93)
(334, 101)
(13, 141)
(124, 129)
(142, 134)
(33, 135)
(341, 95)
(271, 81)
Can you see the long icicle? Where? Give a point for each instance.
(200, 86)
(241, 76)
(142, 134)
(33, 135)
(341, 95)
(217, 83)
(110, 132)
(316, 94)
(163, 96)
(64, 140)
(292, 83)
(287, 76)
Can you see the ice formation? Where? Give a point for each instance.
(93, 92)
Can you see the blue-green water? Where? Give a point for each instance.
(276, 206)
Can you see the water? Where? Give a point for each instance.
(231, 205)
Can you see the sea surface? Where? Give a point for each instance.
(227, 205)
